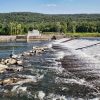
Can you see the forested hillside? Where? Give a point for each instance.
(20, 22)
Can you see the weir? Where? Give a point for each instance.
(79, 63)
(88, 46)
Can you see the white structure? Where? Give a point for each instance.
(33, 33)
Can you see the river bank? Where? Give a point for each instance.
(7, 38)
(13, 38)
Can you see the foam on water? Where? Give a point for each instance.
(19, 88)
(61, 40)
(79, 43)
(93, 51)
(90, 52)
(41, 95)
(60, 54)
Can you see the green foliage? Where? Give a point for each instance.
(20, 23)
(83, 34)
(30, 28)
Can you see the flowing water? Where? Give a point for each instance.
(76, 77)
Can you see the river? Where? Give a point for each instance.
(75, 78)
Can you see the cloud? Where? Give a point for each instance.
(51, 5)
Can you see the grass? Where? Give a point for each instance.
(83, 34)
(75, 34)
(53, 33)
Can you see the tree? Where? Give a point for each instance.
(5, 30)
(57, 27)
(25, 30)
(19, 29)
(63, 27)
(74, 27)
(69, 25)
(30, 28)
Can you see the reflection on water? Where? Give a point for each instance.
(19, 47)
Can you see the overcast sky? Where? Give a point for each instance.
(51, 6)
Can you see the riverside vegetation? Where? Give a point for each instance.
(20, 22)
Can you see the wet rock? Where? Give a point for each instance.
(3, 63)
(9, 69)
(9, 81)
(15, 81)
(2, 68)
(53, 37)
(10, 61)
(38, 50)
(6, 61)
(14, 69)
(27, 54)
(31, 51)
(20, 62)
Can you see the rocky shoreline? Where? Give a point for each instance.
(7, 38)
(43, 37)
(15, 65)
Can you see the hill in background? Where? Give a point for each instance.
(20, 22)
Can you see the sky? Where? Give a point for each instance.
(51, 6)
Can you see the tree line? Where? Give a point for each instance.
(20, 23)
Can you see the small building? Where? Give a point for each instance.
(33, 34)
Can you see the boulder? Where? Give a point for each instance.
(38, 51)
(27, 54)
(9, 81)
(6, 61)
(9, 61)
(14, 69)
(3, 63)
(2, 68)
(12, 61)
(20, 62)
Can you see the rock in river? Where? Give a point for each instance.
(19, 62)
(2, 68)
(10, 61)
